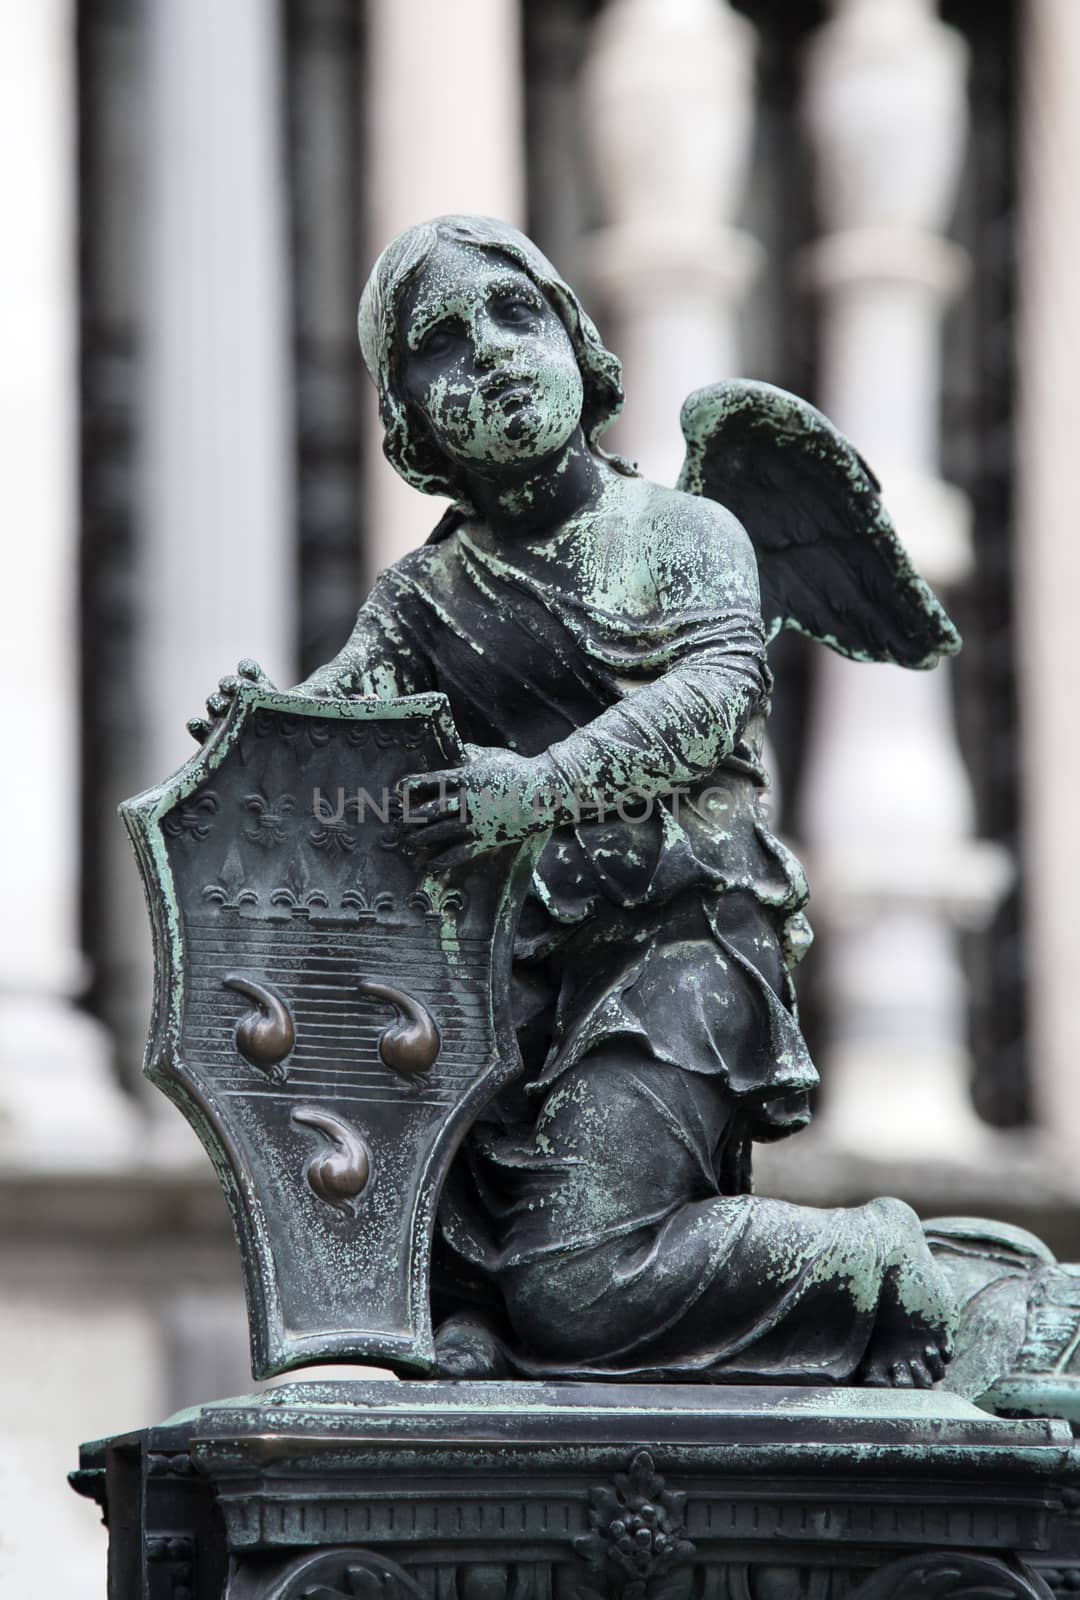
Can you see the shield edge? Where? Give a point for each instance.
(273, 1349)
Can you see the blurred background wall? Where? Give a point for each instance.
(872, 202)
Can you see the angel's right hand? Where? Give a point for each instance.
(218, 703)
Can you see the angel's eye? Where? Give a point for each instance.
(515, 310)
(438, 341)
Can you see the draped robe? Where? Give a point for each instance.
(602, 1207)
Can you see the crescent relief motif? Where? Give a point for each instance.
(265, 1035)
(411, 1044)
(339, 1171)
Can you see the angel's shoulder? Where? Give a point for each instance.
(693, 541)
(428, 569)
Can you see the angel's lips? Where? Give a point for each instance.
(507, 386)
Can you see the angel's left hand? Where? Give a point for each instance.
(496, 798)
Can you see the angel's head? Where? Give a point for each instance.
(483, 356)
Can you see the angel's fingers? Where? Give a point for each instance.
(251, 670)
(448, 779)
(435, 810)
(437, 835)
(456, 857)
(217, 704)
(199, 729)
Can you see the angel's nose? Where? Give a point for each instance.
(491, 342)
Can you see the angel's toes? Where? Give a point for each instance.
(465, 1347)
(935, 1361)
(920, 1373)
(928, 1306)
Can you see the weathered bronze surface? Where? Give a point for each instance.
(599, 644)
(330, 1015)
(600, 640)
(492, 1061)
(526, 1491)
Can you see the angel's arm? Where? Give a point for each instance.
(681, 726)
(702, 637)
(381, 659)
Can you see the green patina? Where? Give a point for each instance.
(602, 636)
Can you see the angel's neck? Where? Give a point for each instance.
(529, 502)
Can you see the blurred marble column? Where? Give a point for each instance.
(59, 1104)
(887, 807)
(1047, 561)
(218, 569)
(444, 134)
(218, 449)
(668, 107)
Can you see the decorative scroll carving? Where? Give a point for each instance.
(436, 900)
(344, 1575)
(338, 1173)
(265, 1036)
(953, 1575)
(270, 825)
(191, 819)
(411, 1044)
(334, 837)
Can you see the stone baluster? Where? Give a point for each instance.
(1048, 551)
(668, 117)
(444, 134)
(59, 1106)
(887, 808)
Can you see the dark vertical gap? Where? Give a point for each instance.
(979, 391)
(561, 204)
(323, 67)
(107, 42)
(779, 326)
(780, 345)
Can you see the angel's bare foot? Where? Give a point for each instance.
(912, 1339)
(465, 1347)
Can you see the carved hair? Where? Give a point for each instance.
(406, 442)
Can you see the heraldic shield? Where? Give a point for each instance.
(329, 1014)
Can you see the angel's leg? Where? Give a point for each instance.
(624, 1256)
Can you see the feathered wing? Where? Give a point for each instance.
(829, 559)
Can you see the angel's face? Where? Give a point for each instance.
(487, 361)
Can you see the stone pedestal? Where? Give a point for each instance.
(523, 1491)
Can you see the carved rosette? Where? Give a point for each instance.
(637, 1530)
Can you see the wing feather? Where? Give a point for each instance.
(830, 562)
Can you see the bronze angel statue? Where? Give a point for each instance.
(601, 641)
